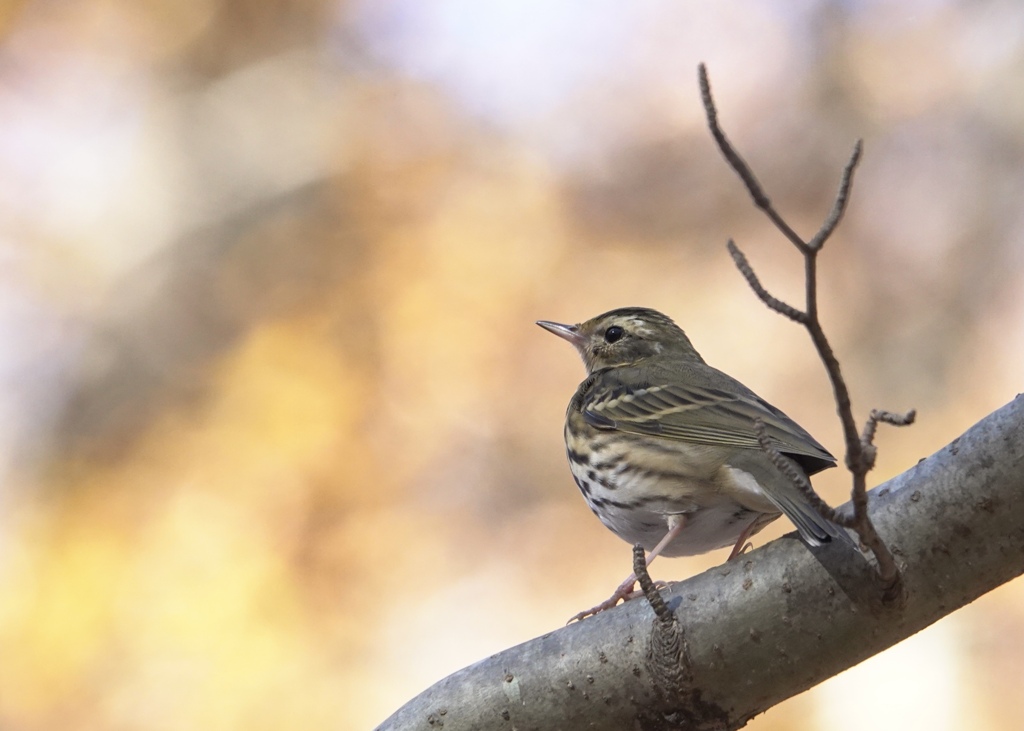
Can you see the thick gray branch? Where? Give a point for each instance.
(770, 625)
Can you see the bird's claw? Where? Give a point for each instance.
(624, 594)
(740, 550)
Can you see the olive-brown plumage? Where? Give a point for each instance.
(663, 446)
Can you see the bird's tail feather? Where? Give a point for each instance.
(814, 528)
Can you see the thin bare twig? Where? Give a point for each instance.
(842, 197)
(884, 417)
(737, 163)
(648, 587)
(796, 476)
(667, 661)
(868, 450)
(860, 448)
(774, 303)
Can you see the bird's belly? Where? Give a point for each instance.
(706, 529)
(637, 503)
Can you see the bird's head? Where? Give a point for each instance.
(627, 336)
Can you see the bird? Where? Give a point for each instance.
(665, 450)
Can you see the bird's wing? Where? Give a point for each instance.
(719, 412)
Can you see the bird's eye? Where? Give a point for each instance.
(613, 333)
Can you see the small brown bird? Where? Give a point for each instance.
(663, 446)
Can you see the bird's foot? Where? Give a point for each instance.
(624, 593)
(739, 550)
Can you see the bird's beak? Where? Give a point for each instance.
(566, 332)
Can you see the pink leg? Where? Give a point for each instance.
(741, 542)
(625, 590)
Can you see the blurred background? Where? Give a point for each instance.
(280, 444)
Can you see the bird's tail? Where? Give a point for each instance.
(814, 528)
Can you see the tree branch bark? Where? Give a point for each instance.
(768, 626)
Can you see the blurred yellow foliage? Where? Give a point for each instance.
(281, 443)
